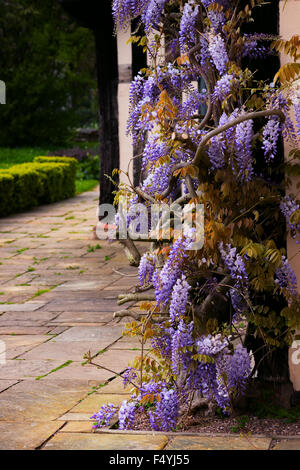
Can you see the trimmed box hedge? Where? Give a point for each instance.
(43, 181)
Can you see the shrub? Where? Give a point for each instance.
(41, 182)
(72, 162)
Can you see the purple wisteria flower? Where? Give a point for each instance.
(126, 414)
(146, 269)
(235, 264)
(158, 178)
(205, 377)
(151, 14)
(238, 369)
(153, 150)
(181, 337)
(166, 413)
(243, 149)
(271, 134)
(217, 19)
(229, 133)
(253, 47)
(162, 341)
(296, 106)
(150, 388)
(187, 32)
(128, 376)
(125, 10)
(104, 415)
(192, 104)
(216, 152)
(211, 345)
(217, 50)
(279, 101)
(179, 298)
(286, 278)
(164, 280)
(143, 95)
(288, 206)
(223, 374)
(207, 3)
(222, 142)
(239, 305)
(224, 87)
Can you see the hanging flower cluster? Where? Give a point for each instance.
(211, 132)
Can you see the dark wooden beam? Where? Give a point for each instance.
(97, 15)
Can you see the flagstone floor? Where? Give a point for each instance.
(58, 292)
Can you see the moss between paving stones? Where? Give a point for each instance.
(46, 180)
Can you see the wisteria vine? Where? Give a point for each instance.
(215, 134)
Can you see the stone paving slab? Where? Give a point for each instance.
(218, 443)
(25, 278)
(69, 318)
(41, 400)
(78, 426)
(128, 343)
(86, 333)
(22, 340)
(20, 288)
(26, 436)
(290, 444)
(115, 386)
(64, 351)
(83, 441)
(96, 400)
(79, 417)
(80, 323)
(95, 296)
(76, 306)
(82, 285)
(28, 307)
(24, 330)
(17, 345)
(29, 369)
(39, 317)
(116, 361)
(5, 384)
(75, 371)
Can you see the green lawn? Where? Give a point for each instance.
(10, 157)
(14, 156)
(85, 185)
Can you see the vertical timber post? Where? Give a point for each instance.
(107, 76)
(97, 16)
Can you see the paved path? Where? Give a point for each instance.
(58, 290)
(58, 293)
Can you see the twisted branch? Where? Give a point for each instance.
(123, 298)
(200, 156)
(131, 251)
(222, 288)
(234, 122)
(127, 313)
